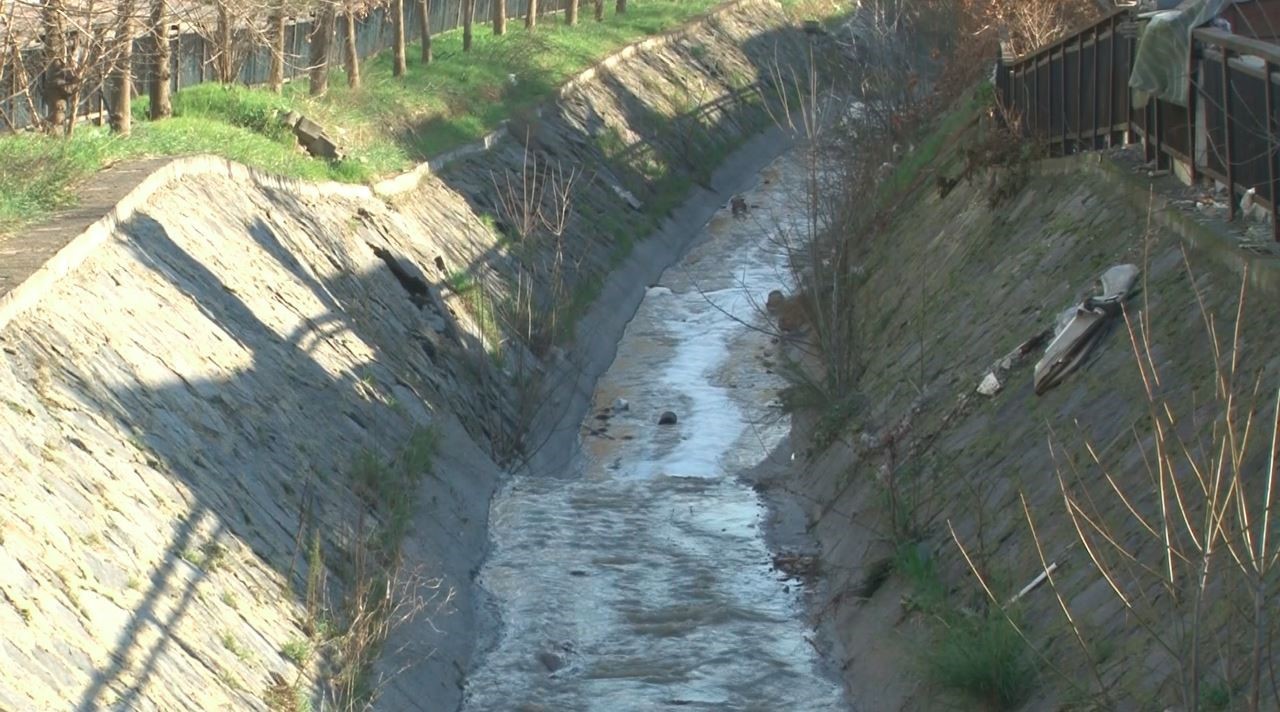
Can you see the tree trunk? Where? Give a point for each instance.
(397, 34)
(531, 17)
(275, 38)
(620, 7)
(56, 73)
(122, 72)
(321, 41)
(222, 41)
(350, 52)
(468, 19)
(571, 13)
(424, 18)
(599, 10)
(499, 17)
(161, 106)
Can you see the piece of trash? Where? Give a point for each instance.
(993, 382)
(1035, 582)
(990, 385)
(1081, 327)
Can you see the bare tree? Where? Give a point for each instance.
(321, 40)
(122, 73)
(59, 81)
(223, 64)
(397, 31)
(499, 17)
(161, 106)
(571, 13)
(468, 19)
(531, 17)
(599, 10)
(275, 40)
(424, 18)
(350, 52)
(20, 81)
(620, 7)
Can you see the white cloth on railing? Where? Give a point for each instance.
(1164, 50)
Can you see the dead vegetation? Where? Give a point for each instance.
(1186, 546)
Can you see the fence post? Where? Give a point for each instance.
(1227, 132)
(1191, 113)
(1062, 100)
(1271, 149)
(1094, 142)
(1035, 96)
(1131, 44)
(1079, 127)
(1111, 85)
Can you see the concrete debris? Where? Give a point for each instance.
(313, 138)
(620, 405)
(627, 196)
(990, 385)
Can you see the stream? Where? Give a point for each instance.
(642, 579)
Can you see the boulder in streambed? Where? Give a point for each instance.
(667, 418)
(774, 301)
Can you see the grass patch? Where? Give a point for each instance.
(297, 651)
(980, 656)
(233, 645)
(385, 126)
(984, 658)
(908, 173)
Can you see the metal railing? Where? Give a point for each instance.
(1074, 94)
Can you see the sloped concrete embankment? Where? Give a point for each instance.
(184, 410)
(951, 287)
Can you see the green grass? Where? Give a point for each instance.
(980, 656)
(984, 658)
(937, 139)
(385, 126)
(297, 651)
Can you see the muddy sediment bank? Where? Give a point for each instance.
(188, 408)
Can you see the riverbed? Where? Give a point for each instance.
(640, 577)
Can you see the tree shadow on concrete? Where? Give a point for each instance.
(233, 462)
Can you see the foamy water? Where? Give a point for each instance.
(645, 582)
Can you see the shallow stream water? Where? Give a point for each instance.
(642, 580)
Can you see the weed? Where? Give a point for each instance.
(230, 642)
(229, 600)
(918, 568)
(231, 681)
(297, 651)
(209, 557)
(280, 696)
(984, 658)
(1215, 697)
